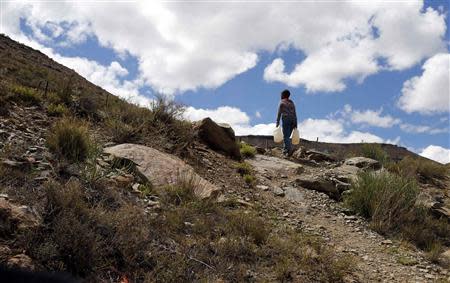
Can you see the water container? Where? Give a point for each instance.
(277, 135)
(295, 136)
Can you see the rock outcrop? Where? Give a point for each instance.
(219, 137)
(160, 168)
(363, 162)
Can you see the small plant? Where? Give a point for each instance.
(26, 95)
(120, 131)
(243, 168)
(247, 151)
(248, 179)
(57, 110)
(182, 192)
(70, 139)
(375, 151)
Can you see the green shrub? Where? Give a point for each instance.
(375, 151)
(382, 197)
(248, 179)
(26, 95)
(247, 151)
(57, 110)
(389, 201)
(243, 168)
(70, 139)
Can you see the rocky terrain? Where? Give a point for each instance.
(109, 192)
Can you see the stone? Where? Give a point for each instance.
(444, 258)
(363, 162)
(262, 187)
(218, 137)
(318, 183)
(21, 261)
(387, 242)
(162, 169)
(278, 192)
(319, 156)
(346, 173)
(299, 170)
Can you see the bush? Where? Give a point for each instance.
(57, 110)
(248, 179)
(375, 151)
(70, 139)
(388, 200)
(120, 131)
(243, 168)
(247, 151)
(25, 95)
(382, 197)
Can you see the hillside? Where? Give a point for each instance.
(94, 189)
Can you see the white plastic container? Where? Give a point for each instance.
(295, 136)
(277, 135)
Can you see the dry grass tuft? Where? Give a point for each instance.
(70, 138)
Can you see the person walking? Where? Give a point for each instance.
(288, 116)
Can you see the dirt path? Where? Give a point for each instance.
(378, 259)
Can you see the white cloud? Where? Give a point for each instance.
(185, 46)
(430, 92)
(373, 118)
(437, 153)
(258, 114)
(333, 131)
(223, 114)
(327, 130)
(420, 129)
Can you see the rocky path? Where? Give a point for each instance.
(377, 259)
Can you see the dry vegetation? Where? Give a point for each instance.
(389, 201)
(98, 235)
(247, 151)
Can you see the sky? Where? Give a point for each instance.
(358, 71)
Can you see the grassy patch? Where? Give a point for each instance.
(420, 169)
(388, 200)
(188, 240)
(247, 151)
(70, 138)
(375, 151)
(25, 95)
(243, 168)
(57, 110)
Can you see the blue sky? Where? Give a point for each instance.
(370, 71)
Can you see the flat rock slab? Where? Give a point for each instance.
(161, 168)
(263, 163)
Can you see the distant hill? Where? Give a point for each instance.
(340, 150)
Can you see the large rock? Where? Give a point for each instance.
(346, 173)
(318, 183)
(219, 137)
(161, 168)
(319, 156)
(363, 162)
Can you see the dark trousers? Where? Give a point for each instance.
(288, 127)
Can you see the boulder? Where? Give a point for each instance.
(161, 168)
(218, 137)
(346, 173)
(318, 183)
(363, 162)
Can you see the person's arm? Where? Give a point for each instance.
(279, 114)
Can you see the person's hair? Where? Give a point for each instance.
(285, 94)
